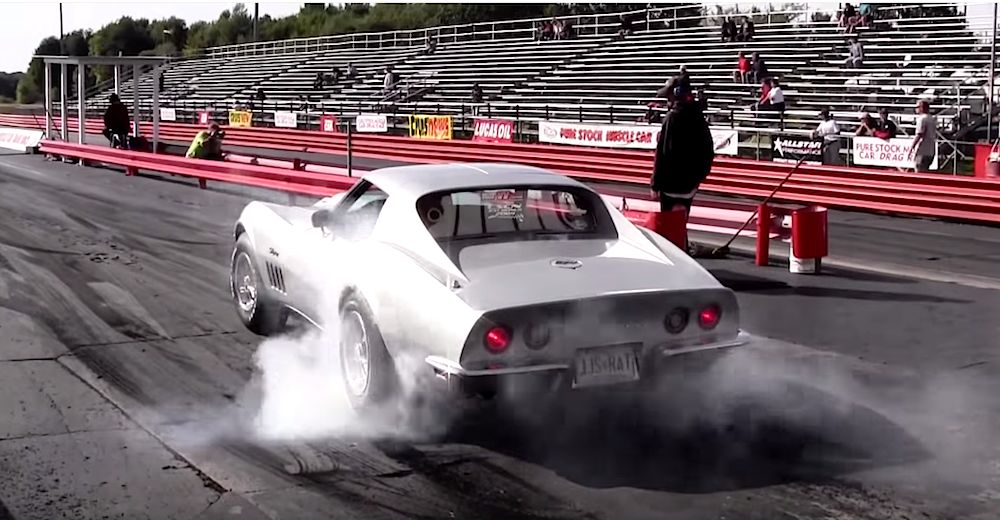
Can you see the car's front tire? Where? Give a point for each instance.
(258, 311)
(367, 368)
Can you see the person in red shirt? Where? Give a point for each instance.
(742, 69)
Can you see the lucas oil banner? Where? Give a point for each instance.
(430, 127)
(493, 131)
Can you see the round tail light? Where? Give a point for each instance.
(497, 339)
(709, 317)
(676, 320)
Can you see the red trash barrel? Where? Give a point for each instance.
(672, 225)
(809, 239)
(983, 167)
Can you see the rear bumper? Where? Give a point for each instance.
(653, 357)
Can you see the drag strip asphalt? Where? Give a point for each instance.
(869, 396)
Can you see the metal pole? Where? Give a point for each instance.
(135, 100)
(256, 11)
(63, 112)
(81, 114)
(118, 80)
(48, 99)
(350, 155)
(156, 108)
(62, 50)
(993, 60)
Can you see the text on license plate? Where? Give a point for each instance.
(605, 365)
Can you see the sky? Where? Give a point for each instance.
(25, 24)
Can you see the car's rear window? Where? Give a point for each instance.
(508, 211)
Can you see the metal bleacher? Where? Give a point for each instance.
(599, 76)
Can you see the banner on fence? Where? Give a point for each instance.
(893, 153)
(727, 142)
(240, 118)
(168, 114)
(493, 131)
(623, 136)
(19, 139)
(608, 136)
(327, 123)
(286, 120)
(430, 127)
(372, 123)
(203, 118)
(792, 148)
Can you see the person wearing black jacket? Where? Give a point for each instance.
(116, 122)
(684, 153)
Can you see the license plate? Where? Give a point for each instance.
(605, 365)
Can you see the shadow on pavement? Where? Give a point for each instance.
(760, 285)
(664, 441)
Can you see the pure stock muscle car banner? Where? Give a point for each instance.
(894, 153)
(372, 123)
(494, 131)
(286, 120)
(240, 118)
(430, 127)
(623, 136)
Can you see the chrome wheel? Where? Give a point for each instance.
(354, 353)
(244, 284)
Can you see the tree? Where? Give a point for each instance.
(8, 86)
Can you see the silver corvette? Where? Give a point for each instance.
(484, 272)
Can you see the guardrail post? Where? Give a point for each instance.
(63, 113)
(81, 106)
(202, 183)
(763, 234)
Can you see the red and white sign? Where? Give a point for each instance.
(286, 120)
(894, 153)
(168, 114)
(608, 136)
(494, 131)
(372, 123)
(328, 123)
(19, 139)
(203, 118)
(623, 136)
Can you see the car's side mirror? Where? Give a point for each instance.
(322, 218)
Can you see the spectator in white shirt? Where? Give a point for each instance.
(830, 132)
(772, 98)
(856, 54)
(388, 81)
(924, 146)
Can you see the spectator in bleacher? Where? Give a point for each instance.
(567, 31)
(431, 45)
(867, 126)
(772, 97)
(849, 19)
(742, 69)
(830, 133)
(477, 93)
(728, 30)
(746, 30)
(117, 124)
(866, 14)
(684, 153)
(318, 81)
(352, 72)
(160, 82)
(653, 114)
(886, 127)
(388, 80)
(758, 69)
(260, 94)
(334, 76)
(855, 54)
(207, 144)
(924, 146)
(625, 28)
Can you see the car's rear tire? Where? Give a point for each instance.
(368, 370)
(256, 308)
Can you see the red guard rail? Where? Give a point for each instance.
(929, 195)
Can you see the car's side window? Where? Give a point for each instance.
(357, 216)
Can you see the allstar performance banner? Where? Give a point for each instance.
(893, 153)
(430, 127)
(792, 148)
(644, 137)
(493, 131)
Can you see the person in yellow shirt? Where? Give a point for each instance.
(207, 144)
